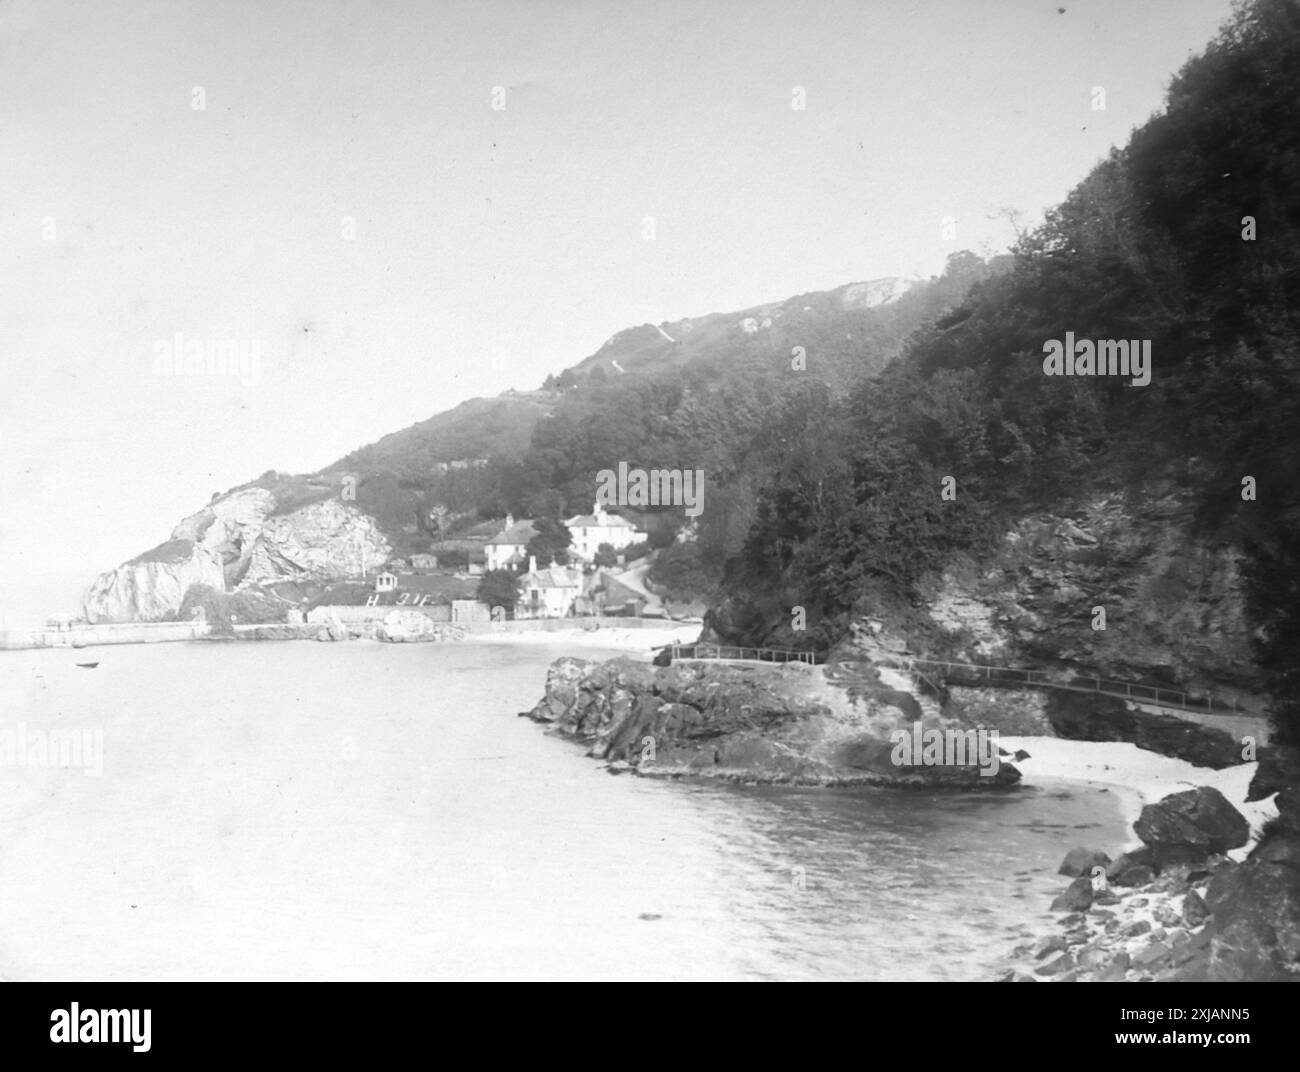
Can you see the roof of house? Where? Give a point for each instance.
(555, 577)
(483, 530)
(518, 533)
(616, 589)
(590, 521)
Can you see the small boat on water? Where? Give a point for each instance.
(87, 666)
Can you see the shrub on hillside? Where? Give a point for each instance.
(247, 607)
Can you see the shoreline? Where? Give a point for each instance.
(1138, 777)
(1133, 929)
(632, 639)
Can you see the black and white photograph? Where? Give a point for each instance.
(668, 491)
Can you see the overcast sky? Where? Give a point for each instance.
(349, 199)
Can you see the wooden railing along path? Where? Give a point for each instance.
(1011, 676)
(726, 651)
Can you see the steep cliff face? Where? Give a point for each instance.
(1123, 590)
(232, 543)
(227, 528)
(1108, 587)
(150, 588)
(320, 541)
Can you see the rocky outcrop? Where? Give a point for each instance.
(227, 528)
(1254, 931)
(318, 542)
(150, 588)
(963, 694)
(1178, 909)
(1175, 612)
(1079, 716)
(875, 292)
(756, 722)
(237, 542)
(1173, 600)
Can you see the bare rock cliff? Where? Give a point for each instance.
(235, 542)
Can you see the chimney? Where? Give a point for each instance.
(510, 520)
(532, 563)
(598, 512)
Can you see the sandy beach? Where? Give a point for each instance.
(1138, 776)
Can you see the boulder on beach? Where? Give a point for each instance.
(1081, 861)
(1200, 818)
(1063, 963)
(1132, 869)
(407, 626)
(1076, 898)
(332, 629)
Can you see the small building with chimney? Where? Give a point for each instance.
(548, 593)
(508, 548)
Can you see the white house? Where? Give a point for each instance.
(589, 531)
(548, 593)
(507, 548)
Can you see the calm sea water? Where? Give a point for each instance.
(370, 811)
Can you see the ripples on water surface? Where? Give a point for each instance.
(301, 810)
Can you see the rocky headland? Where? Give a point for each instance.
(751, 722)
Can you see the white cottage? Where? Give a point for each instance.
(589, 531)
(548, 593)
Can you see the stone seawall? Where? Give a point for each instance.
(94, 635)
